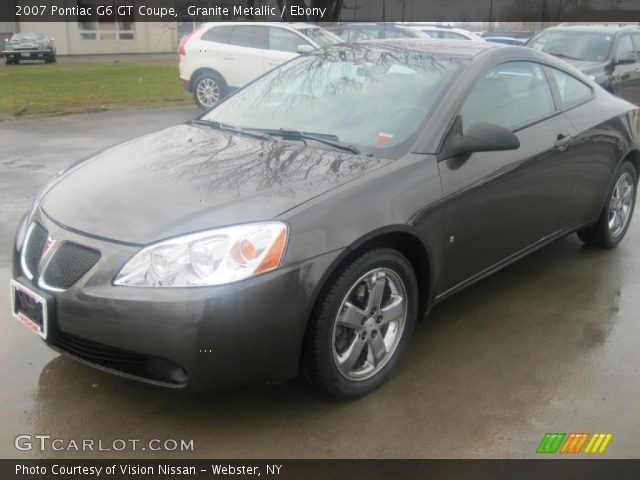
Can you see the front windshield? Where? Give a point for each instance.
(587, 46)
(28, 37)
(374, 99)
(321, 36)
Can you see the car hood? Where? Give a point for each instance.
(191, 177)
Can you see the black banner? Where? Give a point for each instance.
(321, 10)
(321, 469)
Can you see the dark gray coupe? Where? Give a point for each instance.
(306, 222)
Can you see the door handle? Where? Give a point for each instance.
(562, 142)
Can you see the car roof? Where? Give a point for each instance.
(604, 28)
(363, 24)
(294, 26)
(444, 48)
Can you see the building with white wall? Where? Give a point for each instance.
(90, 38)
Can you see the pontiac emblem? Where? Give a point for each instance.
(47, 246)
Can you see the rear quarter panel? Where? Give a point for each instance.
(608, 129)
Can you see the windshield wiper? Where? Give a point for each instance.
(231, 128)
(326, 138)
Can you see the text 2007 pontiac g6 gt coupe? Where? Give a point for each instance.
(307, 221)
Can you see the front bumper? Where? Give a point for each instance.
(198, 338)
(27, 54)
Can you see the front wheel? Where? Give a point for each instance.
(208, 89)
(362, 324)
(616, 215)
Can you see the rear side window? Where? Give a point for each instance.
(571, 89)
(510, 95)
(217, 34)
(249, 36)
(283, 40)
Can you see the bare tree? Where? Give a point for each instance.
(546, 10)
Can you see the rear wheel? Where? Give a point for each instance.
(208, 89)
(362, 324)
(616, 215)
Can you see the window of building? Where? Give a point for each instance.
(109, 26)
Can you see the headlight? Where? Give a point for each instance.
(214, 257)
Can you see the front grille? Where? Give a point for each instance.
(68, 264)
(146, 367)
(34, 247)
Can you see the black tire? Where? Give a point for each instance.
(318, 363)
(600, 235)
(50, 58)
(8, 61)
(208, 77)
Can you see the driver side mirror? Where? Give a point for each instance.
(479, 137)
(302, 49)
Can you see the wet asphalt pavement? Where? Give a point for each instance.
(550, 344)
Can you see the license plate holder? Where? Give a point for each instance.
(29, 308)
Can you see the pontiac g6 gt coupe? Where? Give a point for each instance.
(307, 221)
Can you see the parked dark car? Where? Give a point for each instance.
(29, 46)
(608, 54)
(361, 31)
(311, 218)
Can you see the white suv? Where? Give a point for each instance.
(220, 57)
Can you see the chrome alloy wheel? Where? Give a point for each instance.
(621, 205)
(208, 92)
(369, 324)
